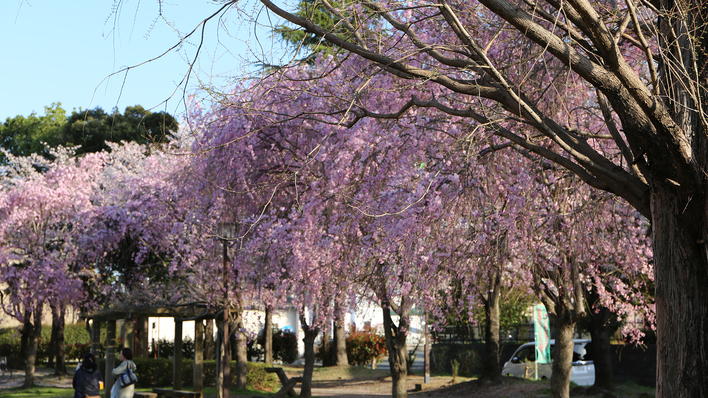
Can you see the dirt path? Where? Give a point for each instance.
(42, 377)
(439, 387)
(339, 383)
(370, 388)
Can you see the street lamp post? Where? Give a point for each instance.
(226, 231)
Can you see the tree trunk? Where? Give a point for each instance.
(309, 340)
(60, 352)
(562, 358)
(397, 350)
(209, 340)
(52, 346)
(268, 337)
(681, 277)
(602, 356)
(32, 345)
(492, 369)
(601, 324)
(142, 328)
(27, 332)
(226, 362)
(339, 343)
(326, 349)
(565, 302)
(241, 356)
(223, 355)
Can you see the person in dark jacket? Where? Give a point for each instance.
(87, 378)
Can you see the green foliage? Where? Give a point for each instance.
(284, 345)
(77, 343)
(365, 346)
(10, 336)
(308, 43)
(158, 373)
(455, 369)
(166, 348)
(37, 391)
(23, 136)
(258, 378)
(92, 128)
(467, 357)
(74, 334)
(513, 310)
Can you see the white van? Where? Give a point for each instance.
(523, 363)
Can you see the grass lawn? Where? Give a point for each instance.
(45, 392)
(352, 373)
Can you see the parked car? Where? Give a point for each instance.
(523, 363)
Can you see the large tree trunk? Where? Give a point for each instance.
(309, 340)
(32, 345)
(241, 356)
(678, 209)
(562, 357)
(492, 369)
(397, 350)
(60, 352)
(681, 278)
(268, 337)
(339, 343)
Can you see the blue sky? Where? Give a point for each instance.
(65, 51)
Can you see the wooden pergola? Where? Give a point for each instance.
(192, 312)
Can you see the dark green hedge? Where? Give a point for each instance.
(158, 373)
(76, 343)
(73, 334)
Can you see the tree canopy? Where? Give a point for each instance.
(93, 128)
(611, 92)
(23, 136)
(90, 129)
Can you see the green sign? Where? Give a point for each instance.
(542, 334)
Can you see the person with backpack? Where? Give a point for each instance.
(87, 380)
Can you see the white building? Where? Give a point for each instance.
(254, 320)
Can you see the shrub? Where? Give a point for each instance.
(365, 346)
(157, 372)
(166, 348)
(77, 343)
(284, 345)
(76, 351)
(73, 334)
(9, 336)
(467, 356)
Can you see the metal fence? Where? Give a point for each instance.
(465, 334)
(520, 333)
